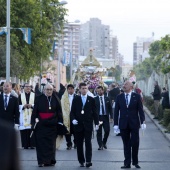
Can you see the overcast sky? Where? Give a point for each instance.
(128, 19)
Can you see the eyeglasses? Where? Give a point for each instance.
(49, 89)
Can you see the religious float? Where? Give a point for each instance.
(91, 72)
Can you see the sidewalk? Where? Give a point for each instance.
(156, 122)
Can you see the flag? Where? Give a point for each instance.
(3, 30)
(66, 58)
(26, 34)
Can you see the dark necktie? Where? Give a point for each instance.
(102, 105)
(5, 102)
(127, 100)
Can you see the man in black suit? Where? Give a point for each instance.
(112, 95)
(9, 107)
(9, 159)
(104, 109)
(66, 110)
(129, 117)
(83, 113)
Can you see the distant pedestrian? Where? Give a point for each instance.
(165, 100)
(157, 97)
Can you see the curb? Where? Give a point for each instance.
(159, 126)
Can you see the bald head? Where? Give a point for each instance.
(127, 86)
(48, 90)
(7, 87)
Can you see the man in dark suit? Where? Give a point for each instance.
(112, 96)
(129, 117)
(104, 109)
(8, 147)
(66, 110)
(83, 113)
(9, 107)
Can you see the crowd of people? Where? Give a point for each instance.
(42, 116)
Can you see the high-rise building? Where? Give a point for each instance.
(141, 49)
(114, 47)
(95, 35)
(71, 41)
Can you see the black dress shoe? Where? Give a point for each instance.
(32, 148)
(82, 165)
(41, 165)
(75, 146)
(125, 167)
(100, 148)
(88, 164)
(69, 147)
(137, 166)
(105, 146)
(118, 134)
(25, 147)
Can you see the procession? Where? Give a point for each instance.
(84, 84)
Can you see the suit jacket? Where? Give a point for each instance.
(11, 114)
(8, 148)
(85, 121)
(113, 93)
(132, 116)
(108, 107)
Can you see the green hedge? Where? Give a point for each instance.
(166, 118)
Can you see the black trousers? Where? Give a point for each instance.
(68, 136)
(81, 137)
(25, 138)
(130, 139)
(106, 127)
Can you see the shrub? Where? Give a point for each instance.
(160, 112)
(166, 117)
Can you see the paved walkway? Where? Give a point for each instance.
(154, 153)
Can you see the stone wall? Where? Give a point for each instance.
(147, 86)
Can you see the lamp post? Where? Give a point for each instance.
(8, 2)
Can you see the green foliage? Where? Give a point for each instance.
(117, 72)
(44, 19)
(166, 118)
(159, 60)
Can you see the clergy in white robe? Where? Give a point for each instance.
(26, 104)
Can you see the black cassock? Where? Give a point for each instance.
(48, 111)
(25, 134)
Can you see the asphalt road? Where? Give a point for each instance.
(154, 153)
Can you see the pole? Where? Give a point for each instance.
(58, 64)
(8, 42)
(71, 54)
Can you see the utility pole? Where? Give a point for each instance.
(8, 2)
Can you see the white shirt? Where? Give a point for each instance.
(8, 96)
(70, 99)
(101, 105)
(129, 97)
